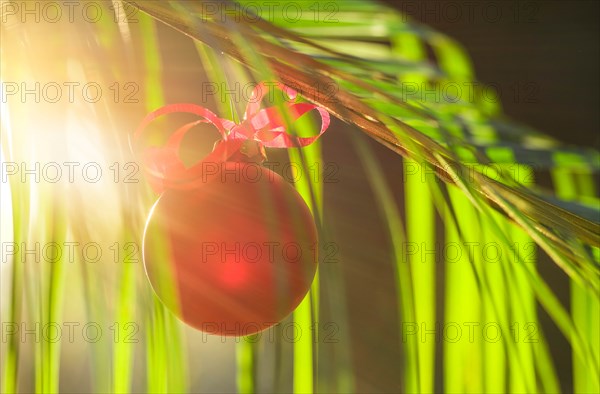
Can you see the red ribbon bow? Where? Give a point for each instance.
(264, 126)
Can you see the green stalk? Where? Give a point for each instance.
(244, 352)
(122, 350)
(303, 349)
(463, 359)
(420, 230)
(55, 295)
(95, 311)
(494, 353)
(523, 312)
(20, 210)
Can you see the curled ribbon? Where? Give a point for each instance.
(259, 128)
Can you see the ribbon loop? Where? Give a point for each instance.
(203, 112)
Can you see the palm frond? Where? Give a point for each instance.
(379, 111)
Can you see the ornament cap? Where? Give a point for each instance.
(246, 151)
(254, 151)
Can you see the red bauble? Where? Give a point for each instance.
(234, 255)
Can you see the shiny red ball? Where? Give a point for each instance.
(236, 254)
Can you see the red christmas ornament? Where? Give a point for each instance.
(230, 246)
